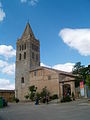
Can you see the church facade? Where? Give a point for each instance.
(29, 72)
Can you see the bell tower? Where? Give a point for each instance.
(27, 58)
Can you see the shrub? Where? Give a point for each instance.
(44, 92)
(55, 96)
(66, 99)
(27, 96)
(31, 93)
(16, 100)
(38, 95)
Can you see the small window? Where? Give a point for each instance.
(20, 56)
(33, 55)
(22, 80)
(32, 74)
(35, 73)
(24, 46)
(20, 47)
(24, 55)
(39, 63)
(49, 77)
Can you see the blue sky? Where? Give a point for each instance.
(62, 26)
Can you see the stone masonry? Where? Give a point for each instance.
(29, 72)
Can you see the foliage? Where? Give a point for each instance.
(44, 92)
(32, 92)
(16, 100)
(76, 68)
(66, 99)
(32, 88)
(38, 95)
(26, 96)
(42, 96)
(81, 73)
(88, 81)
(55, 96)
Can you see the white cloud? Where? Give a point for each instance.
(7, 68)
(67, 67)
(44, 65)
(78, 39)
(2, 13)
(7, 51)
(31, 2)
(6, 84)
(23, 1)
(3, 63)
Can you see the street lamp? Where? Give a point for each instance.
(63, 88)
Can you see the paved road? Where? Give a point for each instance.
(26, 111)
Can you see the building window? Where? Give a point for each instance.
(24, 55)
(25, 46)
(20, 56)
(22, 80)
(49, 77)
(20, 47)
(32, 55)
(32, 74)
(35, 73)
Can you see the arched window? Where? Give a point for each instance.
(22, 80)
(20, 47)
(25, 46)
(20, 56)
(49, 77)
(24, 55)
(35, 73)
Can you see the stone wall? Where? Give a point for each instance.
(45, 78)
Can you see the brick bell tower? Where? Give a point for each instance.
(27, 58)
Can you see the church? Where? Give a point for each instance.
(29, 72)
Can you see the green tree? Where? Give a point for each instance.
(88, 81)
(81, 72)
(44, 92)
(77, 70)
(26, 96)
(88, 76)
(32, 91)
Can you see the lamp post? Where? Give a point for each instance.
(63, 88)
